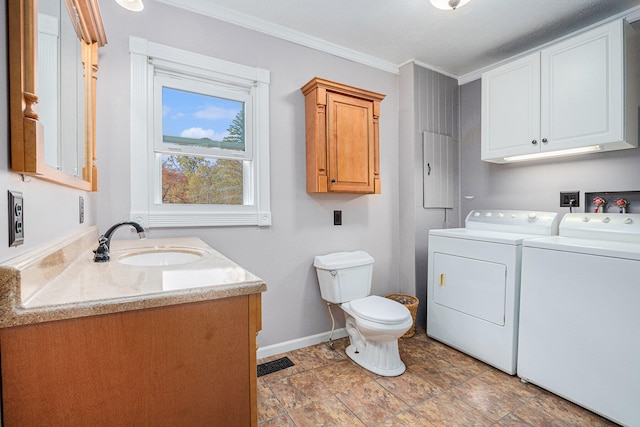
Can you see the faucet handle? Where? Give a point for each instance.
(102, 251)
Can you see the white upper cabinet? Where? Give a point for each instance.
(511, 109)
(582, 83)
(568, 96)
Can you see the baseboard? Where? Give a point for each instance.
(286, 346)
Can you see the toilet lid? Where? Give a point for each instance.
(379, 309)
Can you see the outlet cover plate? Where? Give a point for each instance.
(337, 217)
(567, 196)
(16, 218)
(81, 210)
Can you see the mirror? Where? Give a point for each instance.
(60, 89)
(53, 59)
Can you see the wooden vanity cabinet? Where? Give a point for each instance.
(191, 364)
(342, 134)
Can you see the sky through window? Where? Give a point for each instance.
(193, 115)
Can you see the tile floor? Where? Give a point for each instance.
(441, 387)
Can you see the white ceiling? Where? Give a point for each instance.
(393, 32)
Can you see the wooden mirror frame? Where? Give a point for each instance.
(27, 133)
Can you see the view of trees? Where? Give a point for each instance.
(205, 180)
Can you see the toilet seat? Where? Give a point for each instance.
(380, 310)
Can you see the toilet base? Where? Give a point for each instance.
(382, 358)
(387, 365)
(375, 349)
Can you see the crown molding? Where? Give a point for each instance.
(212, 10)
(630, 15)
(633, 15)
(429, 67)
(207, 8)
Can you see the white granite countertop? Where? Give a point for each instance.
(63, 281)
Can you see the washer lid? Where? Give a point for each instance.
(379, 309)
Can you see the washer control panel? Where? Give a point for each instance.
(602, 226)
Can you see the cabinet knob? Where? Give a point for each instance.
(545, 140)
(333, 181)
(534, 142)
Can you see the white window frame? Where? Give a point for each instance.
(149, 58)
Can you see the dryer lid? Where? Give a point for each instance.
(379, 309)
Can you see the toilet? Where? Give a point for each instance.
(373, 323)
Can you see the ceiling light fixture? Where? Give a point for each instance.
(137, 6)
(449, 4)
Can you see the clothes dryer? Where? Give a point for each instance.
(579, 315)
(473, 285)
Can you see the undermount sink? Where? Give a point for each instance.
(161, 256)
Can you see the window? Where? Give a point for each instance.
(199, 139)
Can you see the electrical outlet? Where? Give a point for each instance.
(337, 217)
(81, 210)
(16, 218)
(569, 199)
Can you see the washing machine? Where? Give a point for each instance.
(580, 314)
(473, 285)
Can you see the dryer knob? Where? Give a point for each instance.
(606, 219)
(488, 214)
(476, 214)
(532, 216)
(627, 221)
(585, 219)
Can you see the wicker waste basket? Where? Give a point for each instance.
(411, 303)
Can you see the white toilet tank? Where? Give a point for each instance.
(344, 276)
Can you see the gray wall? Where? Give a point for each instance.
(428, 102)
(533, 185)
(302, 224)
(50, 211)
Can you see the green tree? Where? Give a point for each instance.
(236, 131)
(201, 180)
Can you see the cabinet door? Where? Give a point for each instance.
(182, 365)
(351, 144)
(511, 109)
(582, 83)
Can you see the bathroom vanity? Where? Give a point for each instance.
(116, 343)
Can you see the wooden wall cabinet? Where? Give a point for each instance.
(342, 127)
(191, 364)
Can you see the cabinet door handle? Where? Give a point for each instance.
(544, 140)
(333, 181)
(428, 169)
(534, 142)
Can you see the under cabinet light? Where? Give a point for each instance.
(558, 153)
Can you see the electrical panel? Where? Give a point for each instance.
(440, 170)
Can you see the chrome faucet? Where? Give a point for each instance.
(102, 252)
